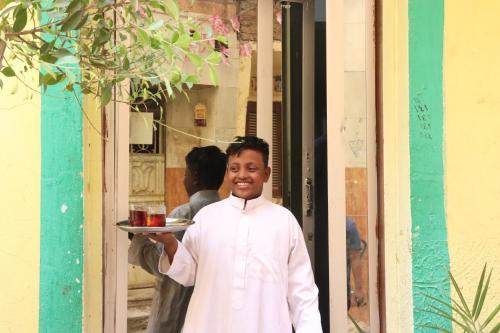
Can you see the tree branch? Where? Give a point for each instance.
(2, 51)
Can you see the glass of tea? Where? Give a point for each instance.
(156, 215)
(138, 214)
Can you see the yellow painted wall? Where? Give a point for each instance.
(19, 205)
(472, 140)
(397, 218)
(92, 251)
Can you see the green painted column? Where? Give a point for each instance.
(430, 258)
(61, 230)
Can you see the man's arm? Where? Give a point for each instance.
(144, 253)
(356, 267)
(180, 260)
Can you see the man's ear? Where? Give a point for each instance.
(267, 174)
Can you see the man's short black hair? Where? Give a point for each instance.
(249, 142)
(208, 164)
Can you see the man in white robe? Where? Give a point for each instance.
(246, 258)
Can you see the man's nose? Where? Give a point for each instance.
(242, 173)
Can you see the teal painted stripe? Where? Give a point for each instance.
(430, 258)
(61, 230)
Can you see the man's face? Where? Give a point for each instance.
(247, 174)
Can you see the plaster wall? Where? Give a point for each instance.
(20, 205)
(472, 166)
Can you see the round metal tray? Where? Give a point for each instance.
(171, 225)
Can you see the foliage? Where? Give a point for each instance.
(148, 42)
(465, 315)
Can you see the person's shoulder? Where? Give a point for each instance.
(182, 211)
(214, 206)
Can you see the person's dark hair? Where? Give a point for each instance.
(208, 164)
(249, 142)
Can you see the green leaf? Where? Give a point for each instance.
(48, 58)
(478, 291)
(496, 329)
(459, 292)
(172, 8)
(170, 92)
(491, 316)
(195, 59)
(62, 52)
(222, 39)
(183, 41)
(213, 75)
(21, 18)
(445, 315)
(82, 22)
(126, 63)
(106, 94)
(72, 21)
(483, 297)
(213, 58)
(1, 84)
(196, 36)
(8, 71)
(156, 25)
(436, 328)
(143, 37)
(70, 59)
(74, 6)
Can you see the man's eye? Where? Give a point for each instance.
(252, 169)
(233, 169)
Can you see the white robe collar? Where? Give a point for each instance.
(244, 204)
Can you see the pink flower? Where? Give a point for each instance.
(245, 49)
(235, 23)
(141, 12)
(218, 25)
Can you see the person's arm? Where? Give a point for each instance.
(358, 296)
(144, 253)
(302, 291)
(180, 260)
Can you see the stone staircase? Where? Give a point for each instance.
(139, 306)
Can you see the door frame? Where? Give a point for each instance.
(116, 157)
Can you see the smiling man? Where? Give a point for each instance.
(245, 256)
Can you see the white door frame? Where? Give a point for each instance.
(115, 242)
(116, 158)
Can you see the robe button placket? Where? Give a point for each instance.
(240, 262)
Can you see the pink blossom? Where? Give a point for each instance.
(141, 12)
(235, 23)
(218, 25)
(245, 49)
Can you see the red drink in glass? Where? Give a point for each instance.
(138, 215)
(156, 216)
(138, 218)
(156, 220)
